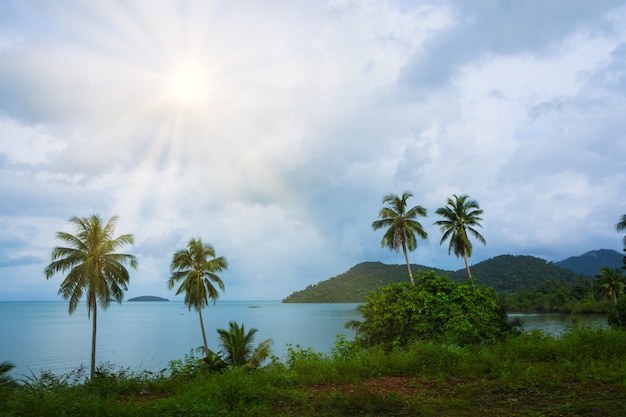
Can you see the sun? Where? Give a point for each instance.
(188, 85)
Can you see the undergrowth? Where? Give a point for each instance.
(582, 372)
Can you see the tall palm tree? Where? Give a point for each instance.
(197, 267)
(237, 345)
(401, 225)
(95, 269)
(622, 226)
(461, 214)
(611, 283)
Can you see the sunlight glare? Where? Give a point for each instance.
(188, 85)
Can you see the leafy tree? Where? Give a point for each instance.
(436, 309)
(611, 283)
(5, 368)
(461, 214)
(620, 227)
(237, 344)
(95, 269)
(197, 267)
(401, 225)
(617, 317)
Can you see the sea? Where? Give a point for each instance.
(145, 336)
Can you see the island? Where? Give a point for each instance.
(148, 298)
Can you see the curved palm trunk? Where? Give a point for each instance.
(93, 341)
(206, 345)
(408, 265)
(469, 274)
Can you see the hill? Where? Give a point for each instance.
(504, 273)
(148, 298)
(353, 285)
(589, 263)
(512, 273)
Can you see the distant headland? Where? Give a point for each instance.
(148, 298)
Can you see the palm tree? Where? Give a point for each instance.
(461, 214)
(401, 225)
(611, 283)
(95, 269)
(238, 346)
(622, 226)
(196, 267)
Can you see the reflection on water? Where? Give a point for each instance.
(556, 323)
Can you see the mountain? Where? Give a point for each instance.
(353, 285)
(504, 273)
(589, 263)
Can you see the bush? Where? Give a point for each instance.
(617, 316)
(436, 309)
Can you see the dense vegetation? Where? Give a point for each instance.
(355, 284)
(523, 283)
(582, 373)
(434, 310)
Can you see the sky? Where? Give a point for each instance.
(273, 130)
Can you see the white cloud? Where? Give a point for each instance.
(311, 113)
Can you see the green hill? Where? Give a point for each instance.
(589, 263)
(503, 273)
(512, 273)
(353, 285)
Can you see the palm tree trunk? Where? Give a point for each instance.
(93, 341)
(469, 274)
(408, 265)
(206, 345)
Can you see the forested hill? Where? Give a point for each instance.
(503, 273)
(353, 285)
(513, 273)
(590, 263)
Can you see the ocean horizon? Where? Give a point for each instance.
(145, 335)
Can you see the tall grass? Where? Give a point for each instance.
(533, 363)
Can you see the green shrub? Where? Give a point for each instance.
(436, 309)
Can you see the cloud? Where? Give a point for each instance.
(311, 113)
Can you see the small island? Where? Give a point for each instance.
(148, 298)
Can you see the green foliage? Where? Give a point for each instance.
(355, 284)
(580, 373)
(237, 345)
(507, 274)
(617, 316)
(401, 227)
(514, 273)
(460, 216)
(610, 283)
(437, 309)
(5, 368)
(196, 269)
(93, 267)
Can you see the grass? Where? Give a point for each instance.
(581, 373)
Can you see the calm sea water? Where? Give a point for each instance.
(39, 336)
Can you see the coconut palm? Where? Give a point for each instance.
(197, 267)
(611, 283)
(94, 268)
(237, 345)
(401, 225)
(461, 214)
